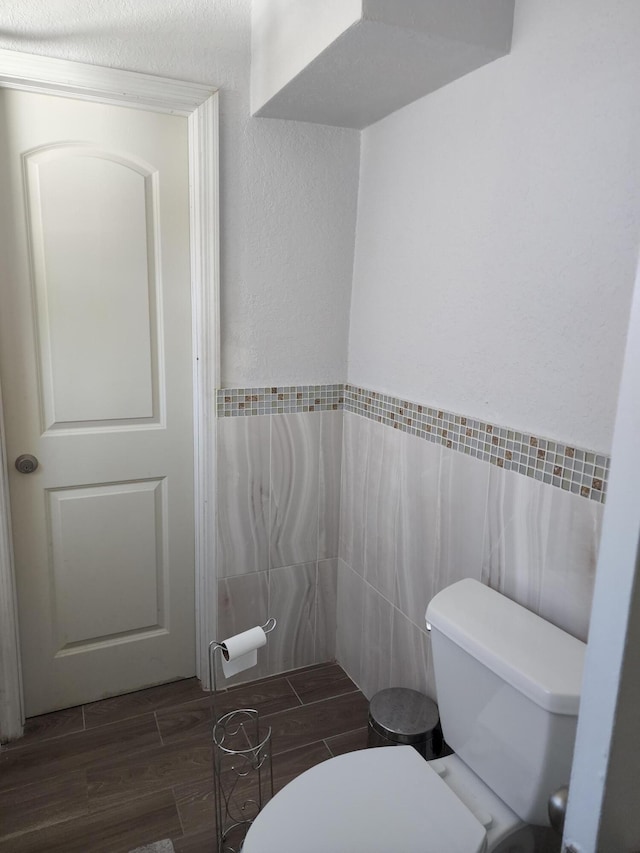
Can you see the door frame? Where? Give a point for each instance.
(199, 104)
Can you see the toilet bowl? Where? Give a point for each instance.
(509, 688)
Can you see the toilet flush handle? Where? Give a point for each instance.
(558, 808)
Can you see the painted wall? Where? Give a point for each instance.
(486, 22)
(287, 35)
(331, 64)
(497, 234)
(288, 190)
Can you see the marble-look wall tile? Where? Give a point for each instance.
(382, 509)
(243, 603)
(243, 487)
(414, 517)
(464, 487)
(422, 516)
(302, 598)
(411, 664)
(420, 504)
(292, 601)
(326, 612)
(329, 483)
(570, 562)
(517, 528)
(350, 615)
(279, 478)
(375, 643)
(295, 451)
(355, 455)
(541, 548)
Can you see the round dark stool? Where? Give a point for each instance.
(402, 716)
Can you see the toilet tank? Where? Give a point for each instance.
(508, 685)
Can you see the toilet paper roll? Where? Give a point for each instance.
(240, 652)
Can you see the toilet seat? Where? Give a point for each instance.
(373, 801)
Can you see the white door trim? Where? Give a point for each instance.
(199, 104)
(11, 705)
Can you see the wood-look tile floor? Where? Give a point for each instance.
(124, 772)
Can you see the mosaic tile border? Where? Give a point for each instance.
(573, 469)
(582, 472)
(278, 400)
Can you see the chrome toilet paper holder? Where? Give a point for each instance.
(242, 765)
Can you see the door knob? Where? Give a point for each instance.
(26, 463)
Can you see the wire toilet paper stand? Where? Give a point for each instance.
(242, 766)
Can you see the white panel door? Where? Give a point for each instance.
(96, 372)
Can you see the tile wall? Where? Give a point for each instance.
(343, 525)
(416, 517)
(577, 470)
(279, 400)
(278, 516)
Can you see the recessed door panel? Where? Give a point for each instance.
(107, 562)
(96, 295)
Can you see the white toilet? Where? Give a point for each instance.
(508, 686)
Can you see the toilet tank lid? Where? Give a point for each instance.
(537, 658)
